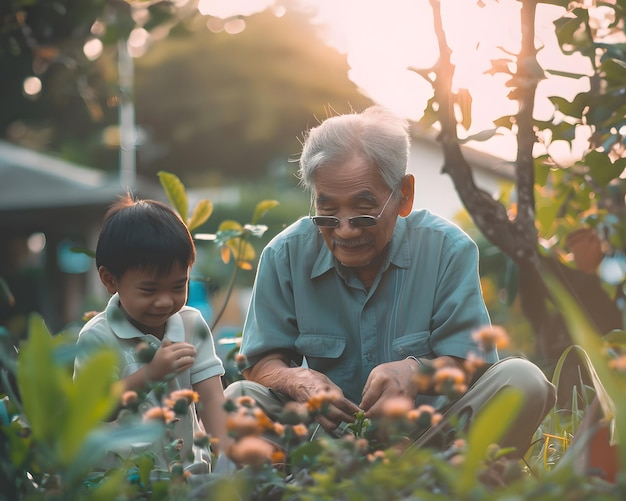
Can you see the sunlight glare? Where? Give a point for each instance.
(231, 8)
(32, 86)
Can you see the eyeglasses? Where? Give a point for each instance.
(354, 221)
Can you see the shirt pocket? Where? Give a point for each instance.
(416, 344)
(320, 345)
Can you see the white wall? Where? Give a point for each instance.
(434, 190)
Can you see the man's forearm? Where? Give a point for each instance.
(271, 371)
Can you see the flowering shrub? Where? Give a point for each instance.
(54, 432)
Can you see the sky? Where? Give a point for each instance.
(383, 38)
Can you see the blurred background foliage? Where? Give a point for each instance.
(210, 106)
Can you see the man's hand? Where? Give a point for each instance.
(171, 358)
(301, 384)
(304, 384)
(392, 379)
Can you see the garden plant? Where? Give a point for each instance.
(54, 430)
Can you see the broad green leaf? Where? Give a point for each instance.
(92, 398)
(616, 338)
(601, 169)
(242, 250)
(262, 208)
(113, 438)
(608, 407)
(229, 225)
(176, 194)
(586, 336)
(488, 428)
(201, 213)
(42, 383)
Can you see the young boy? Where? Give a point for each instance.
(144, 255)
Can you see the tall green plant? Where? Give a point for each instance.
(232, 237)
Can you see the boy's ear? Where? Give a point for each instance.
(108, 280)
(407, 188)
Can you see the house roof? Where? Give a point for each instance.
(32, 180)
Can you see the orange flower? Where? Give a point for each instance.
(376, 456)
(473, 362)
(300, 430)
(159, 414)
(263, 422)
(240, 424)
(317, 401)
(423, 381)
(88, 315)
(449, 379)
(129, 397)
(279, 429)
(397, 407)
(419, 413)
(187, 395)
(491, 337)
(253, 451)
(619, 364)
(277, 457)
(241, 361)
(245, 401)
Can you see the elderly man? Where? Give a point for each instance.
(356, 297)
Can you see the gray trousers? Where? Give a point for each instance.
(538, 398)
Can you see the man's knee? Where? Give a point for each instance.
(526, 377)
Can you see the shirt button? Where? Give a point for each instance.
(402, 351)
(370, 357)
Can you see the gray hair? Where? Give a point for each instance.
(376, 134)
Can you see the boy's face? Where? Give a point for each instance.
(147, 298)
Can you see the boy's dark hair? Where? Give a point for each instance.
(143, 234)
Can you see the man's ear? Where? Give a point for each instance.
(407, 189)
(108, 280)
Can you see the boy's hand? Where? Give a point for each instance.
(171, 358)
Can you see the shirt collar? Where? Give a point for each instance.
(399, 252)
(122, 328)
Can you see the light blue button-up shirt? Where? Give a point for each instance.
(426, 301)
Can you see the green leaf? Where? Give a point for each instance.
(587, 337)
(91, 399)
(262, 208)
(488, 428)
(113, 438)
(41, 382)
(176, 194)
(601, 169)
(201, 213)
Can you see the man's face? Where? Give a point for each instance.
(355, 188)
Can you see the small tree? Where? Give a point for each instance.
(552, 199)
